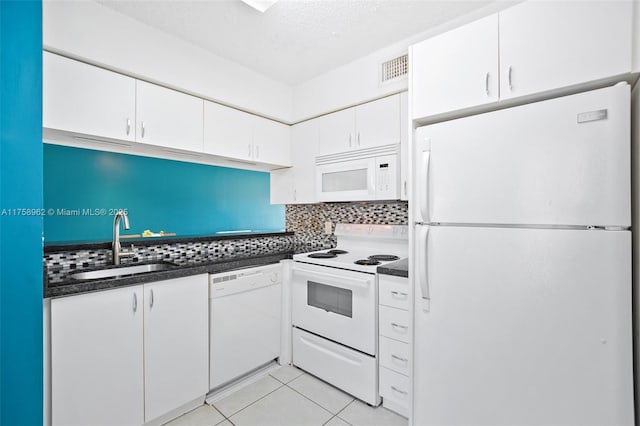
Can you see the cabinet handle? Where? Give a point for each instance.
(509, 77)
(397, 293)
(294, 195)
(399, 391)
(358, 138)
(349, 140)
(135, 302)
(399, 358)
(486, 84)
(128, 126)
(249, 152)
(142, 129)
(404, 327)
(257, 151)
(151, 301)
(405, 187)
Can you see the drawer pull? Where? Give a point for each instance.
(399, 358)
(399, 391)
(404, 327)
(399, 294)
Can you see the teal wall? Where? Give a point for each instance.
(20, 236)
(173, 196)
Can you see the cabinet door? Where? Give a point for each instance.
(271, 142)
(547, 45)
(168, 118)
(96, 358)
(378, 122)
(227, 132)
(296, 185)
(176, 349)
(404, 146)
(456, 70)
(81, 98)
(304, 140)
(336, 132)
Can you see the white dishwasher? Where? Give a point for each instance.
(244, 315)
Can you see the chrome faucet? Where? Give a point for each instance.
(116, 247)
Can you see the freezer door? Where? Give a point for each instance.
(564, 161)
(525, 327)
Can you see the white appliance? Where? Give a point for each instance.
(335, 307)
(244, 313)
(523, 265)
(368, 174)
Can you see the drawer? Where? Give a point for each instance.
(394, 291)
(394, 355)
(395, 323)
(345, 368)
(394, 389)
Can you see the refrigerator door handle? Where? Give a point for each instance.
(424, 184)
(422, 262)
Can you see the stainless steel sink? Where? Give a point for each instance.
(118, 272)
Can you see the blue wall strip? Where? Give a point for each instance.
(20, 236)
(82, 187)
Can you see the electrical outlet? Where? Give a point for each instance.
(328, 228)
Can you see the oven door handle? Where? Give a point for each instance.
(337, 279)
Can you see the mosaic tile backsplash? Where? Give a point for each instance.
(60, 264)
(308, 220)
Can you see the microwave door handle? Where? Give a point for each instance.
(422, 263)
(424, 186)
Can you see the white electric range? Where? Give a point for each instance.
(335, 306)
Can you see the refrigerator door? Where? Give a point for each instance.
(525, 327)
(564, 161)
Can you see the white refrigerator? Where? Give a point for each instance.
(522, 265)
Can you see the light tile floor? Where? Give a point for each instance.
(289, 397)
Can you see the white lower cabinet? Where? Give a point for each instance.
(394, 342)
(129, 355)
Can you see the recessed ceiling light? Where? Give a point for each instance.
(260, 5)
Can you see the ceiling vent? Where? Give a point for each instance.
(394, 69)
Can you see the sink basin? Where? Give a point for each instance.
(118, 272)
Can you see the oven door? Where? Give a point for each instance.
(336, 304)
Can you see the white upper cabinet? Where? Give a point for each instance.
(546, 45)
(456, 70)
(296, 185)
(404, 146)
(168, 118)
(368, 125)
(378, 122)
(227, 132)
(336, 132)
(245, 137)
(540, 46)
(271, 141)
(84, 99)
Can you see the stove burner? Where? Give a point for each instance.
(322, 255)
(337, 251)
(384, 257)
(366, 262)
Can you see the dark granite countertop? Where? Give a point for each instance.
(183, 269)
(399, 268)
(149, 241)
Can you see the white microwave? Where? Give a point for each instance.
(358, 176)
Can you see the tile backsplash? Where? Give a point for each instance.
(308, 220)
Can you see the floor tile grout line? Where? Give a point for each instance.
(249, 405)
(300, 393)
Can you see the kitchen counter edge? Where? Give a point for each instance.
(70, 288)
(399, 268)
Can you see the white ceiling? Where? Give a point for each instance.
(294, 40)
